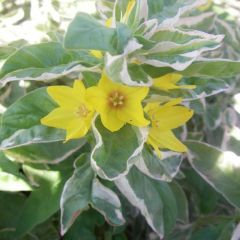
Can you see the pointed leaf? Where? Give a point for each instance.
(213, 67)
(83, 189)
(115, 152)
(85, 32)
(21, 125)
(160, 169)
(153, 198)
(42, 62)
(51, 152)
(219, 169)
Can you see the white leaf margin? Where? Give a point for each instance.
(191, 4)
(142, 138)
(141, 165)
(126, 189)
(48, 75)
(190, 159)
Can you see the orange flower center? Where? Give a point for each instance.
(116, 99)
(82, 111)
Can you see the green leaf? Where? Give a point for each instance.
(85, 32)
(43, 201)
(169, 12)
(51, 152)
(205, 197)
(21, 125)
(118, 69)
(212, 116)
(219, 169)
(119, 8)
(7, 50)
(214, 232)
(178, 49)
(10, 177)
(205, 87)
(155, 7)
(76, 194)
(42, 62)
(83, 189)
(137, 73)
(85, 226)
(213, 67)
(43, 231)
(163, 169)
(123, 35)
(41, 55)
(107, 202)
(10, 208)
(11, 93)
(115, 152)
(202, 22)
(153, 198)
(182, 202)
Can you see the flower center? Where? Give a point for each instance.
(155, 121)
(116, 99)
(82, 111)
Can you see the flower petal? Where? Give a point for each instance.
(63, 96)
(78, 87)
(169, 81)
(97, 98)
(135, 93)
(77, 128)
(166, 139)
(174, 101)
(154, 145)
(107, 85)
(133, 114)
(59, 118)
(170, 117)
(110, 120)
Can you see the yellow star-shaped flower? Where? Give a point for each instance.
(169, 81)
(118, 104)
(164, 118)
(74, 113)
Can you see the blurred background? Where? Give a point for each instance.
(33, 20)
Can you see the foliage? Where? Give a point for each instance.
(113, 178)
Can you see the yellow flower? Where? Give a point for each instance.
(74, 113)
(129, 9)
(96, 53)
(118, 104)
(169, 81)
(108, 22)
(164, 118)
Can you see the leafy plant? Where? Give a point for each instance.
(94, 142)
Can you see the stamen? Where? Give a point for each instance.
(116, 99)
(82, 111)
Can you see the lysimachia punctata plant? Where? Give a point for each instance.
(110, 118)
